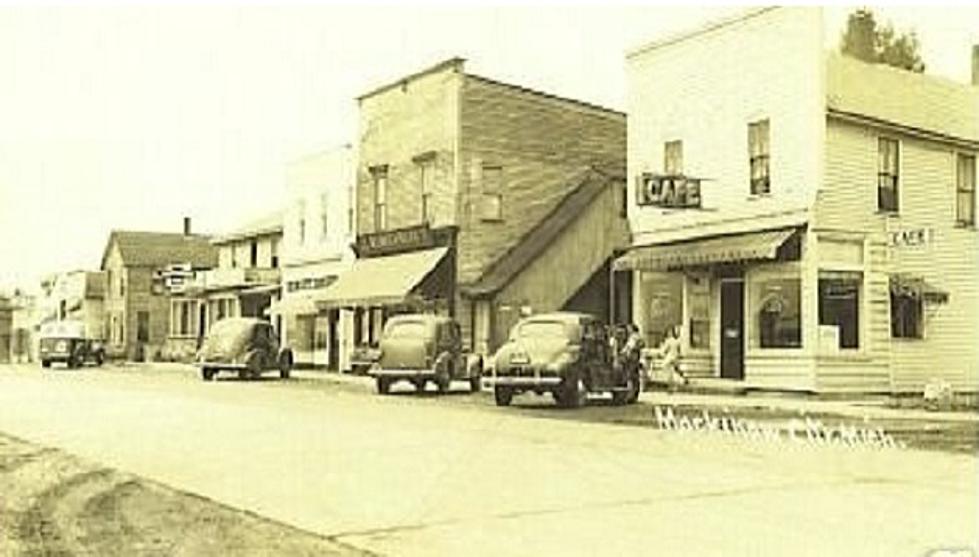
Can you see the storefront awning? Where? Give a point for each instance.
(733, 248)
(297, 303)
(379, 281)
(263, 289)
(917, 287)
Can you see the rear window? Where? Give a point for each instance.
(543, 329)
(406, 329)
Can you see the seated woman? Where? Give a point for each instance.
(669, 353)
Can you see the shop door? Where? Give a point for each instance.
(334, 339)
(732, 329)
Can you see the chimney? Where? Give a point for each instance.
(186, 226)
(975, 65)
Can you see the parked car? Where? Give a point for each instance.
(566, 354)
(244, 345)
(67, 341)
(420, 348)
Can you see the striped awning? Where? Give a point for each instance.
(734, 248)
(917, 287)
(380, 281)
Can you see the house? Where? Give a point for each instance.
(481, 200)
(139, 280)
(317, 236)
(76, 295)
(808, 219)
(244, 284)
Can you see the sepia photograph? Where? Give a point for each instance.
(542, 278)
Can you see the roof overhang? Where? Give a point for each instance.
(380, 281)
(727, 249)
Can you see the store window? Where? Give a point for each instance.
(907, 313)
(778, 312)
(673, 158)
(839, 306)
(491, 203)
(663, 303)
(759, 148)
(698, 299)
(887, 174)
(965, 190)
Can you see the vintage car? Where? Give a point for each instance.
(566, 354)
(420, 348)
(244, 345)
(67, 341)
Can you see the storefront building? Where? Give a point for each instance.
(811, 228)
(480, 200)
(316, 250)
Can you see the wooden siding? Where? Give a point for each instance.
(950, 260)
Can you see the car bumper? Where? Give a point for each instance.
(519, 381)
(55, 357)
(221, 365)
(401, 372)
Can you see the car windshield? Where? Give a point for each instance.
(543, 329)
(407, 329)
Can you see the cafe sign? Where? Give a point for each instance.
(910, 237)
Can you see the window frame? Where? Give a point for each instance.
(895, 176)
(827, 276)
(919, 315)
(379, 176)
(762, 185)
(491, 192)
(756, 310)
(426, 174)
(959, 190)
(673, 157)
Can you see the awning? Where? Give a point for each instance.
(917, 287)
(302, 302)
(733, 248)
(379, 281)
(263, 289)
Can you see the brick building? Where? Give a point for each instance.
(482, 199)
(806, 218)
(137, 301)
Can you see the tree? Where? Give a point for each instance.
(871, 42)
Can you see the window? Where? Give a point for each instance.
(839, 305)
(183, 322)
(426, 174)
(274, 248)
(122, 285)
(324, 217)
(758, 157)
(887, 174)
(673, 158)
(380, 198)
(142, 326)
(662, 303)
(698, 298)
(491, 206)
(253, 253)
(301, 213)
(965, 190)
(778, 310)
(906, 315)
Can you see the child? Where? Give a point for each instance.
(670, 353)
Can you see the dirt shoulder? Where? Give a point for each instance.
(52, 503)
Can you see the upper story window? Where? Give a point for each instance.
(759, 153)
(380, 176)
(491, 205)
(253, 253)
(673, 157)
(965, 190)
(426, 176)
(274, 248)
(301, 210)
(887, 174)
(324, 216)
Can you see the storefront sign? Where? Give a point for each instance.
(669, 191)
(911, 237)
(402, 240)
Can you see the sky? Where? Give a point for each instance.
(132, 116)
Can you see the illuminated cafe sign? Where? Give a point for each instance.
(673, 191)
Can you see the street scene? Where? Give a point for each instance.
(313, 280)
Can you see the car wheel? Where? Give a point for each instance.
(571, 393)
(45, 364)
(253, 367)
(383, 385)
(620, 398)
(443, 382)
(99, 359)
(207, 373)
(475, 383)
(635, 388)
(503, 396)
(420, 385)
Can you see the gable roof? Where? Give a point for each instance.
(155, 249)
(540, 237)
(269, 224)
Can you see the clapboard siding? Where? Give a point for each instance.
(848, 201)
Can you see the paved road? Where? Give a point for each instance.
(407, 476)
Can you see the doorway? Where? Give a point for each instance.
(732, 329)
(333, 350)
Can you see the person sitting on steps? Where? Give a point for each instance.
(669, 352)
